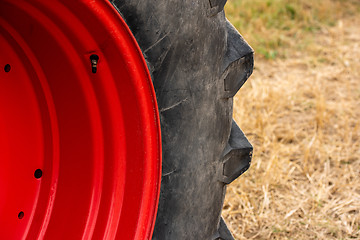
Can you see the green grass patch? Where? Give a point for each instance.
(273, 26)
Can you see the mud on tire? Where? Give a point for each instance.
(198, 62)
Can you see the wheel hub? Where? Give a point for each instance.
(80, 141)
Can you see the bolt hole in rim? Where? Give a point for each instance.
(38, 173)
(21, 215)
(7, 68)
(96, 136)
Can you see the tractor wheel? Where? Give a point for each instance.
(80, 121)
(198, 61)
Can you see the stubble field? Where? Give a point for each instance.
(301, 111)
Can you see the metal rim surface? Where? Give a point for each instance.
(80, 143)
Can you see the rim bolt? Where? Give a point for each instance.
(94, 62)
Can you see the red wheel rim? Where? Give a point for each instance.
(80, 151)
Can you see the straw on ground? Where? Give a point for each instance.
(301, 111)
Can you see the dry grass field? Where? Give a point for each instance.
(301, 111)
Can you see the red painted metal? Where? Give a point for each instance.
(80, 152)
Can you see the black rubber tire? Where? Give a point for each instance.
(198, 62)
